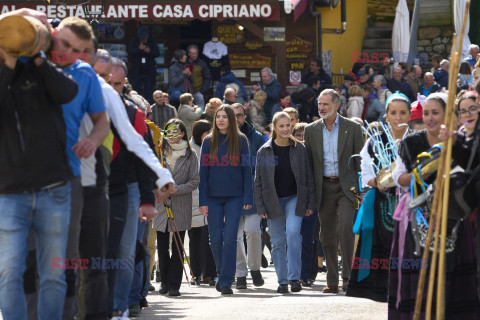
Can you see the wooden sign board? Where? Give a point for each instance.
(249, 61)
(228, 34)
(295, 44)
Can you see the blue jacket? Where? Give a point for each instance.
(441, 77)
(255, 142)
(228, 78)
(219, 178)
(273, 90)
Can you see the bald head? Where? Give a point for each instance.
(230, 95)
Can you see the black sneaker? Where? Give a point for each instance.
(226, 290)
(174, 293)
(241, 283)
(143, 303)
(151, 288)
(307, 282)
(295, 286)
(283, 288)
(134, 311)
(163, 289)
(322, 269)
(257, 278)
(264, 261)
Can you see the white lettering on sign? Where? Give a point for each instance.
(157, 11)
(177, 11)
(6, 9)
(203, 11)
(143, 11)
(266, 10)
(42, 9)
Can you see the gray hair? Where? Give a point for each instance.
(444, 62)
(380, 79)
(104, 56)
(118, 63)
(157, 91)
(192, 46)
(268, 70)
(473, 46)
(332, 93)
(428, 74)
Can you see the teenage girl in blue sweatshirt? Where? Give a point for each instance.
(225, 189)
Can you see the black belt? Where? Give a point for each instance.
(331, 179)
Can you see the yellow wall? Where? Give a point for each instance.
(344, 45)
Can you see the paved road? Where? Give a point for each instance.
(203, 302)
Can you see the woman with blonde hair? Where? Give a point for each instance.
(355, 102)
(284, 194)
(256, 115)
(210, 109)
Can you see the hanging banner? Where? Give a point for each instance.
(204, 11)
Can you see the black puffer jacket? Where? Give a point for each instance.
(32, 129)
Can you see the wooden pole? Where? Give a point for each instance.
(440, 312)
(437, 203)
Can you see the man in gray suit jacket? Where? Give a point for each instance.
(331, 142)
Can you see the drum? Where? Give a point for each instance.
(21, 35)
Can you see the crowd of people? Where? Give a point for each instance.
(97, 179)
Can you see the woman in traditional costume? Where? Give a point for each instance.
(406, 256)
(374, 223)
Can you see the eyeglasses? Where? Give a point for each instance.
(240, 115)
(472, 110)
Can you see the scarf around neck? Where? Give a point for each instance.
(177, 150)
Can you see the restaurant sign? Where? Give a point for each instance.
(190, 11)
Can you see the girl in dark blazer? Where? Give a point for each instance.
(284, 193)
(183, 164)
(225, 189)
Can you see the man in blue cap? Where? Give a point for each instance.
(142, 75)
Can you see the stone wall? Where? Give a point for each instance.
(432, 40)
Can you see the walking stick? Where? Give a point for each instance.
(173, 225)
(440, 206)
(440, 312)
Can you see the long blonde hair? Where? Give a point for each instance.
(276, 118)
(233, 134)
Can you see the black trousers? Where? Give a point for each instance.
(93, 244)
(118, 215)
(171, 266)
(201, 257)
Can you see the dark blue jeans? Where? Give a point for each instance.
(223, 218)
(307, 230)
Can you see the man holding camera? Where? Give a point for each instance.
(142, 74)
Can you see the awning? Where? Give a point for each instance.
(299, 7)
(163, 9)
